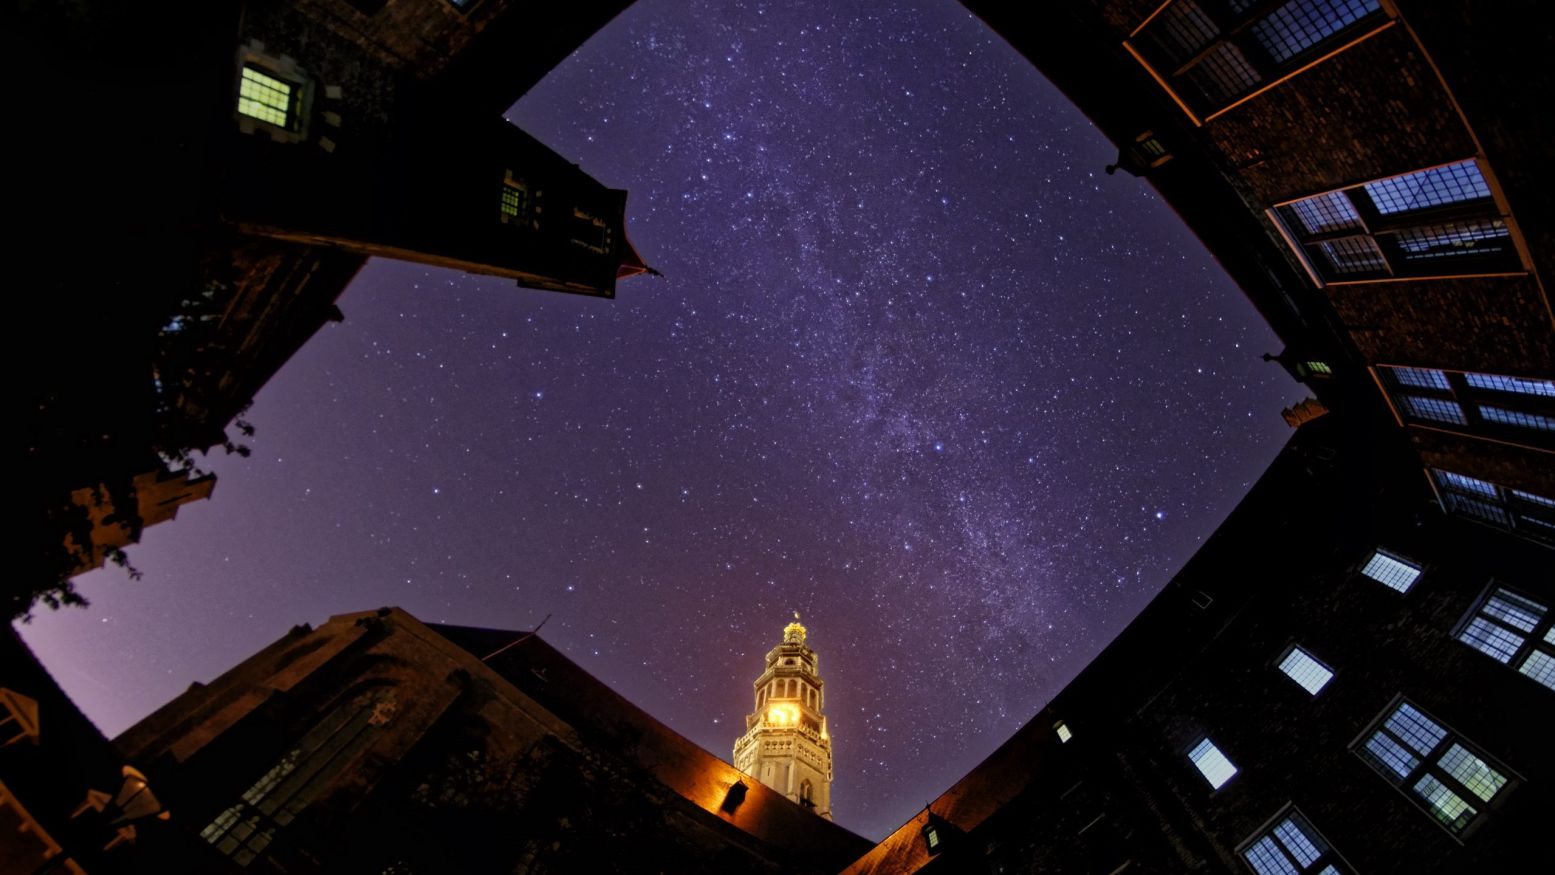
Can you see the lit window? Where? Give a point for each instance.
(1063, 732)
(516, 208)
(1353, 255)
(1211, 58)
(1518, 418)
(1454, 240)
(1306, 671)
(1513, 630)
(326, 751)
(1517, 510)
(1211, 763)
(1391, 571)
(1422, 378)
(1434, 409)
(1518, 385)
(1452, 184)
(1432, 221)
(1438, 770)
(268, 99)
(1290, 846)
(1299, 25)
(1319, 369)
(1326, 213)
(1496, 405)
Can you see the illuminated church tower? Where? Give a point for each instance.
(785, 744)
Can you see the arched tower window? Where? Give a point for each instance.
(806, 794)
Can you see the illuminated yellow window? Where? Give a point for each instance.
(267, 98)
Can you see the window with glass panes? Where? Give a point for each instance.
(1515, 409)
(1305, 669)
(1289, 845)
(1394, 572)
(1437, 769)
(1212, 52)
(1216, 768)
(267, 98)
(1514, 630)
(1439, 221)
(246, 829)
(1518, 510)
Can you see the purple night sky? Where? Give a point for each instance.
(917, 368)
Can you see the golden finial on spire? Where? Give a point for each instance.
(794, 633)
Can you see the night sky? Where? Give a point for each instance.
(917, 368)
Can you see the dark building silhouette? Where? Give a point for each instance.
(377, 743)
(70, 802)
(1356, 673)
(1334, 595)
(229, 168)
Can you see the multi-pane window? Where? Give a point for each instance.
(1391, 571)
(268, 99)
(1438, 770)
(1211, 763)
(1513, 630)
(1212, 52)
(1441, 220)
(1290, 846)
(1516, 409)
(1303, 668)
(1063, 732)
(517, 206)
(247, 828)
(1523, 512)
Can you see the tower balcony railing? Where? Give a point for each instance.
(812, 734)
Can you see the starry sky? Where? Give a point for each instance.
(917, 368)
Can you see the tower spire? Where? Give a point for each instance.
(786, 744)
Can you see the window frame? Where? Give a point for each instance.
(1382, 231)
(1429, 764)
(1419, 568)
(1203, 739)
(244, 831)
(1402, 384)
(1540, 639)
(291, 114)
(1503, 508)
(284, 70)
(1238, 32)
(1294, 646)
(1329, 856)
